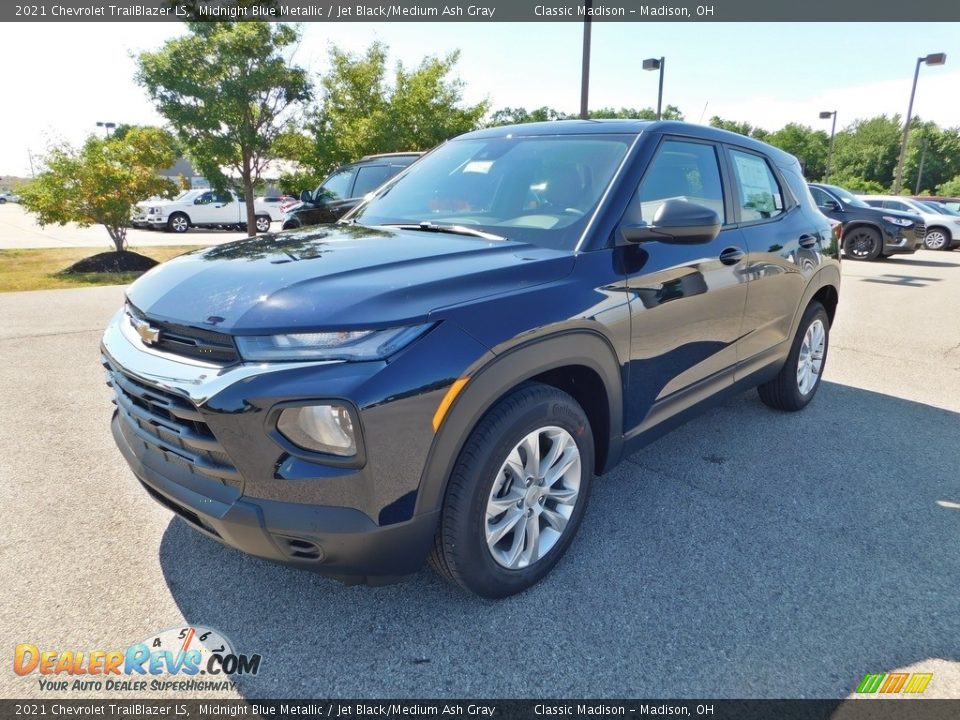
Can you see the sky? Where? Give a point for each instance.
(59, 79)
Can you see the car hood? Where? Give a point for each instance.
(338, 276)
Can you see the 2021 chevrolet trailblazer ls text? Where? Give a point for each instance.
(443, 372)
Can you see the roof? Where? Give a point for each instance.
(630, 127)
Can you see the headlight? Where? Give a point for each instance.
(899, 222)
(321, 428)
(346, 345)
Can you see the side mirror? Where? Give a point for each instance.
(832, 206)
(306, 196)
(677, 221)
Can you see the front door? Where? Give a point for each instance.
(686, 299)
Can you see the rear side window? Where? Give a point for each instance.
(371, 177)
(760, 194)
(685, 171)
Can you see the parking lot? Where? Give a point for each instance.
(748, 554)
(19, 231)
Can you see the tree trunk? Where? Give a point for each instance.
(119, 237)
(247, 177)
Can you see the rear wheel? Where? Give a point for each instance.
(517, 493)
(178, 223)
(862, 243)
(799, 378)
(936, 239)
(263, 223)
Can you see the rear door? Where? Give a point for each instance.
(785, 244)
(686, 300)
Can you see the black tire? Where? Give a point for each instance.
(291, 224)
(784, 391)
(178, 223)
(862, 243)
(263, 223)
(461, 553)
(937, 239)
(3, 201)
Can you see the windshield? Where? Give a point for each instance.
(187, 195)
(540, 190)
(846, 197)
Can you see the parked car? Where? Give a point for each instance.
(942, 229)
(951, 203)
(277, 205)
(443, 372)
(345, 188)
(204, 208)
(868, 232)
(937, 206)
(6, 197)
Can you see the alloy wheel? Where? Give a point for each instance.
(533, 497)
(935, 240)
(810, 361)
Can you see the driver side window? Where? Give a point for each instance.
(681, 170)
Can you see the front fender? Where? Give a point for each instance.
(491, 381)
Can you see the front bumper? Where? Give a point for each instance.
(340, 542)
(215, 461)
(897, 241)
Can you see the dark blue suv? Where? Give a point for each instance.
(443, 372)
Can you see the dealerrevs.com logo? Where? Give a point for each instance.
(183, 653)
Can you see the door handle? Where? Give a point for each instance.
(807, 241)
(732, 255)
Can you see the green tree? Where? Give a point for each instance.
(950, 188)
(229, 90)
(100, 183)
(365, 109)
(670, 112)
(517, 116)
(868, 149)
(744, 128)
(809, 146)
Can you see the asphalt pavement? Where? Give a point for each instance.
(20, 231)
(748, 554)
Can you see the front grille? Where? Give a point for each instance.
(170, 425)
(187, 341)
(920, 231)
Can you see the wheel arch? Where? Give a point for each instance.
(581, 363)
(943, 228)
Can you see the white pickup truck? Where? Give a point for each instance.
(202, 208)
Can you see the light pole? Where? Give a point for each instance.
(931, 59)
(833, 130)
(923, 155)
(585, 68)
(657, 64)
(107, 127)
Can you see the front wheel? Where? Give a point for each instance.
(862, 243)
(799, 378)
(936, 239)
(263, 223)
(517, 493)
(178, 223)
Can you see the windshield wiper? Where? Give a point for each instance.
(427, 226)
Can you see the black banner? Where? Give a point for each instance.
(479, 11)
(859, 709)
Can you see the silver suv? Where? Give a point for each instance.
(943, 231)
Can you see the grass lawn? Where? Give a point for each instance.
(39, 269)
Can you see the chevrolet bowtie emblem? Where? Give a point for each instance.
(146, 331)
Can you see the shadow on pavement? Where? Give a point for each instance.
(900, 260)
(748, 554)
